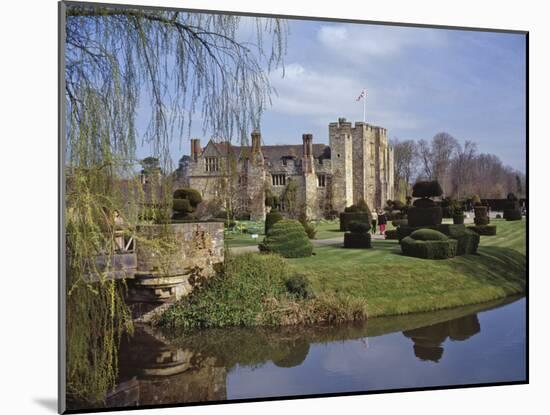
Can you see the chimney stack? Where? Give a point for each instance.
(256, 141)
(195, 148)
(308, 144)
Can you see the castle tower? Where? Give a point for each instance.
(256, 178)
(340, 139)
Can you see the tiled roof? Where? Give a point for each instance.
(275, 152)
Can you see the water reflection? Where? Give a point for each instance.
(428, 340)
(165, 368)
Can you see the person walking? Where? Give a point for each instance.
(382, 219)
(373, 228)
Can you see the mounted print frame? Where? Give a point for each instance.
(260, 207)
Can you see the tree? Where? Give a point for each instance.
(405, 157)
(462, 167)
(116, 58)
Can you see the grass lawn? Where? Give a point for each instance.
(395, 284)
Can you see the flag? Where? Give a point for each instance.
(362, 95)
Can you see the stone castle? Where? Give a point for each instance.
(315, 178)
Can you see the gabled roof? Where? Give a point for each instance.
(273, 152)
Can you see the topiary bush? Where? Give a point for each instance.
(427, 189)
(299, 286)
(358, 237)
(184, 203)
(424, 216)
(271, 218)
(359, 212)
(288, 238)
(391, 234)
(458, 219)
(430, 249)
(428, 235)
(512, 214)
(467, 243)
(484, 230)
(308, 226)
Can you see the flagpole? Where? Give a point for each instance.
(364, 107)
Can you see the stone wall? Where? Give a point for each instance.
(172, 259)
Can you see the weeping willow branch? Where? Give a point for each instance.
(176, 66)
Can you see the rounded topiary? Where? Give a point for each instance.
(424, 216)
(424, 203)
(357, 240)
(484, 230)
(287, 238)
(359, 212)
(359, 227)
(430, 188)
(476, 200)
(391, 234)
(431, 249)
(512, 214)
(428, 235)
(271, 218)
(185, 202)
(458, 219)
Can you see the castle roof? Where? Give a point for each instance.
(274, 152)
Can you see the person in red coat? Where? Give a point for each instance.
(382, 220)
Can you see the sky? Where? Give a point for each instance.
(419, 82)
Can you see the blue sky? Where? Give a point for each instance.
(419, 82)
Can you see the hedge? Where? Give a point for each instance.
(426, 234)
(391, 234)
(481, 221)
(400, 222)
(467, 243)
(424, 216)
(485, 230)
(287, 238)
(458, 219)
(427, 189)
(424, 203)
(357, 240)
(192, 195)
(359, 227)
(480, 211)
(429, 249)
(347, 217)
(270, 219)
(512, 214)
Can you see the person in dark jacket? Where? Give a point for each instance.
(373, 228)
(382, 220)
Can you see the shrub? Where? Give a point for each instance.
(428, 235)
(308, 226)
(237, 297)
(427, 189)
(399, 222)
(287, 238)
(499, 216)
(458, 219)
(271, 218)
(424, 203)
(485, 230)
(512, 214)
(299, 286)
(357, 240)
(347, 217)
(438, 249)
(476, 200)
(424, 216)
(185, 202)
(480, 211)
(391, 234)
(482, 221)
(467, 243)
(511, 196)
(358, 227)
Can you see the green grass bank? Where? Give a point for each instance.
(354, 284)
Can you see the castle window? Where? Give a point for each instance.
(278, 179)
(212, 164)
(321, 180)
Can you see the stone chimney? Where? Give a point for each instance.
(256, 142)
(195, 148)
(308, 144)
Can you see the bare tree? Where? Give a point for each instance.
(405, 159)
(462, 167)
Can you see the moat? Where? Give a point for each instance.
(477, 344)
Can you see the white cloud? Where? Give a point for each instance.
(360, 41)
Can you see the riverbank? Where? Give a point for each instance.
(354, 284)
